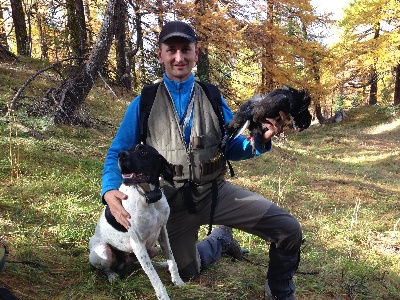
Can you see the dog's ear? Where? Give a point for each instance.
(167, 171)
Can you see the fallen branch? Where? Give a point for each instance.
(22, 88)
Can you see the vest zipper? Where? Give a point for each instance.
(188, 149)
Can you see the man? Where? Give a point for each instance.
(183, 126)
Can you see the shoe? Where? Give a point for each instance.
(230, 246)
(285, 291)
(267, 292)
(3, 255)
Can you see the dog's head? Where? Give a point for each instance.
(143, 163)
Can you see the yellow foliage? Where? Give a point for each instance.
(370, 42)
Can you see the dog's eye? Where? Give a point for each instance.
(143, 152)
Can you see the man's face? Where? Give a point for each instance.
(179, 57)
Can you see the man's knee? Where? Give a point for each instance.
(280, 227)
(294, 235)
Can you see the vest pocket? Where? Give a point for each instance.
(212, 168)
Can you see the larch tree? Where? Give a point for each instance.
(21, 33)
(135, 42)
(261, 35)
(396, 96)
(76, 27)
(42, 26)
(3, 33)
(369, 46)
(71, 94)
(203, 64)
(267, 50)
(89, 21)
(373, 98)
(219, 31)
(122, 73)
(317, 57)
(394, 40)
(276, 35)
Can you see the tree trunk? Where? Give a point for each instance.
(267, 60)
(373, 89)
(318, 112)
(314, 68)
(317, 80)
(203, 64)
(89, 22)
(123, 76)
(374, 75)
(76, 27)
(73, 91)
(21, 34)
(397, 86)
(5, 54)
(40, 19)
(29, 29)
(134, 48)
(3, 34)
(160, 13)
(136, 56)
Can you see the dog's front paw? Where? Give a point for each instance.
(112, 277)
(178, 281)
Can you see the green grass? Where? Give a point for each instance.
(340, 180)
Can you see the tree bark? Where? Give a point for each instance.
(40, 19)
(374, 75)
(267, 60)
(203, 64)
(374, 88)
(3, 34)
(318, 113)
(397, 86)
(21, 34)
(134, 49)
(317, 80)
(89, 29)
(5, 54)
(123, 76)
(76, 27)
(73, 91)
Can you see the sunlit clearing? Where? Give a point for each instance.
(384, 127)
(368, 158)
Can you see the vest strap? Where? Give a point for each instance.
(214, 192)
(188, 198)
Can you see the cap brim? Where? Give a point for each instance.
(178, 34)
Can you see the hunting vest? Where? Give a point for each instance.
(202, 160)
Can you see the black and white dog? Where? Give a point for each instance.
(141, 167)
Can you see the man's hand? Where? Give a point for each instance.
(273, 126)
(114, 201)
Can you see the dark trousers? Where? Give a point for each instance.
(236, 207)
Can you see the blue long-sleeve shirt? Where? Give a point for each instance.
(128, 133)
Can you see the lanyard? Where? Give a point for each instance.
(186, 117)
(184, 121)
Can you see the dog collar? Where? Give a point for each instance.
(151, 196)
